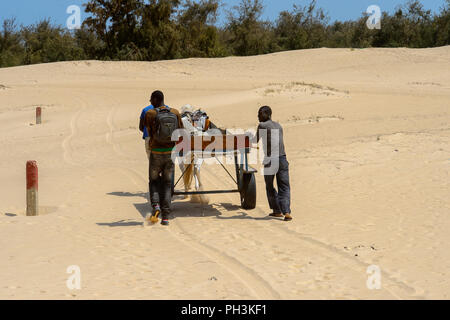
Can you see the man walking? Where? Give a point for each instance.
(161, 122)
(275, 164)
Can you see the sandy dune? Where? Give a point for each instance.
(368, 140)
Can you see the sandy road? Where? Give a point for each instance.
(369, 172)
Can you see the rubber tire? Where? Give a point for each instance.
(248, 191)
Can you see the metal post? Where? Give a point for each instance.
(38, 115)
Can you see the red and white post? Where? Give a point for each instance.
(32, 189)
(38, 115)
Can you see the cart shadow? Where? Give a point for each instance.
(179, 210)
(193, 210)
(184, 209)
(142, 208)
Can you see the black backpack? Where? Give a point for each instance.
(166, 123)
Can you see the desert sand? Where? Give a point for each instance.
(367, 134)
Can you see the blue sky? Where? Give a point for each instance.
(30, 11)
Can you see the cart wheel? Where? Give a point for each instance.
(248, 191)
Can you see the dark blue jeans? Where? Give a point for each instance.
(279, 201)
(160, 174)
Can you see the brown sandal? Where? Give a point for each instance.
(276, 215)
(287, 217)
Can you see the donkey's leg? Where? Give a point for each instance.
(186, 180)
(198, 183)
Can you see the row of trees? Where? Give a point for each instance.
(148, 30)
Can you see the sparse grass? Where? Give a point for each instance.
(315, 118)
(425, 84)
(269, 91)
(294, 85)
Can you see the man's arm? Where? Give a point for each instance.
(142, 121)
(141, 124)
(255, 138)
(180, 121)
(148, 121)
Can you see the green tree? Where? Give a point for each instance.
(115, 22)
(89, 43)
(361, 35)
(246, 33)
(442, 26)
(169, 29)
(159, 33)
(410, 26)
(393, 30)
(11, 50)
(340, 34)
(44, 42)
(301, 28)
(419, 26)
(199, 36)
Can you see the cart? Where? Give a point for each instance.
(237, 145)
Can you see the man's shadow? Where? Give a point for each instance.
(128, 194)
(181, 208)
(121, 223)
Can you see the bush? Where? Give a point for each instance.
(148, 30)
(44, 42)
(11, 49)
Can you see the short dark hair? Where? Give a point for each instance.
(266, 111)
(158, 95)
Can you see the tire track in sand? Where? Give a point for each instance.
(350, 261)
(110, 134)
(74, 131)
(109, 137)
(337, 255)
(256, 285)
(248, 276)
(67, 142)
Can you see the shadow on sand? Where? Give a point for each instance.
(184, 209)
(10, 214)
(122, 223)
(128, 194)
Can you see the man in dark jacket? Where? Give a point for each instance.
(161, 122)
(275, 164)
